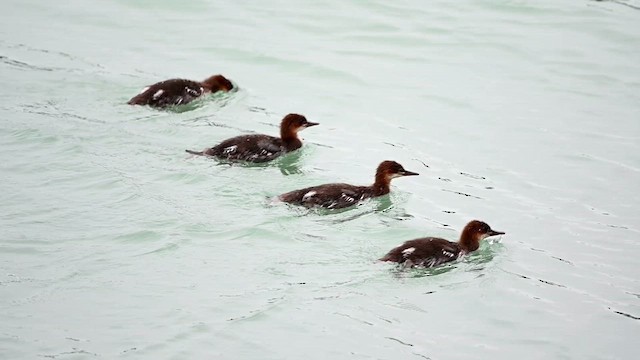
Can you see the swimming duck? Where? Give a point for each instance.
(431, 251)
(337, 196)
(179, 91)
(260, 148)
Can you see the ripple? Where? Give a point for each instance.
(22, 65)
(627, 315)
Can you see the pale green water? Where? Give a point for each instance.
(115, 244)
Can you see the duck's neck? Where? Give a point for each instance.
(468, 242)
(290, 140)
(381, 185)
(207, 86)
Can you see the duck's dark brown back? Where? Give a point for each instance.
(253, 148)
(426, 252)
(168, 93)
(330, 196)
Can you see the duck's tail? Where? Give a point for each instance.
(387, 257)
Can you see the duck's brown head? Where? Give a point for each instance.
(293, 123)
(217, 83)
(388, 170)
(474, 232)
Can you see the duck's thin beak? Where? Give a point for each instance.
(494, 233)
(408, 173)
(310, 124)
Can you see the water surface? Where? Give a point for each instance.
(117, 244)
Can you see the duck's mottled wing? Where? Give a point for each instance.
(253, 148)
(349, 195)
(402, 252)
(296, 197)
(330, 196)
(168, 93)
(427, 252)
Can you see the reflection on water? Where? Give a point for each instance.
(291, 163)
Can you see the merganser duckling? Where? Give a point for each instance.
(261, 148)
(430, 251)
(179, 91)
(337, 196)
